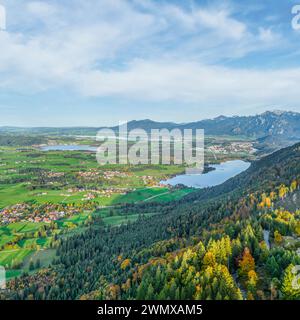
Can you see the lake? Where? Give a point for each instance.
(69, 148)
(220, 174)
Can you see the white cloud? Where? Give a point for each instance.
(163, 52)
(266, 35)
(194, 83)
(40, 9)
(221, 22)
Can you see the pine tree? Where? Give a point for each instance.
(150, 293)
(38, 264)
(31, 266)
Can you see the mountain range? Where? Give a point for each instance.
(270, 123)
(273, 128)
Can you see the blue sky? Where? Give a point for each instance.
(98, 62)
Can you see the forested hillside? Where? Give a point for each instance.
(20, 140)
(238, 240)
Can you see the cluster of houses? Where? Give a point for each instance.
(52, 174)
(90, 174)
(20, 162)
(107, 192)
(36, 161)
(4, 164)
(89, 196)
(32, 213)
(51, 216)
(149, 180)
(107, 175)
(233, 147)
(102, 191)
(13, 214)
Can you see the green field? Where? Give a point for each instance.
(44, 256)
(5, 238)
(23, 255)
(121, 219)
(54, 196)
(22, 227)
(24, 251)
(22, 176)
(31, 175)
(152, 194)
(10, 232)
(7, 257)
(27, 243)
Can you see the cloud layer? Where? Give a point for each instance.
(143, 51)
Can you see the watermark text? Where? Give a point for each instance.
(154, 146)
(296, 18)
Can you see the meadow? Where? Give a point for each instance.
(26, 176)
(29, 175)
(19, 254)
(42, 179)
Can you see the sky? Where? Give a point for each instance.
(98, 62)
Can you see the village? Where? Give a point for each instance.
(45, 213)
(233, 147)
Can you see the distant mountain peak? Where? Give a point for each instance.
(220, 118)
(277, 112)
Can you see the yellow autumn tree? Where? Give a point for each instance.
(268, 202)
(278, 237)
(273, 195)
(252, 279)
(125, 264)
(293, 186)
(113, 292)
(209, 259)
(283, 190)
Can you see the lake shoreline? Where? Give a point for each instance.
(218, 175)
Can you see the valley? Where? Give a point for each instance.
(49, 191)
(133, 222)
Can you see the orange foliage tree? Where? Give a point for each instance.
(247, 263)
